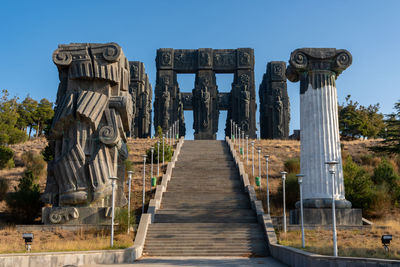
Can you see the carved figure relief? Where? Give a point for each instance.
(88, 130)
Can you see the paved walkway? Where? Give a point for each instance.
(199, 261)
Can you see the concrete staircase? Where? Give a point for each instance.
(205, 211)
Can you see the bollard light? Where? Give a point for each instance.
(300, 180)
(332, 171)
(129, 197)
(266, 163)
(113, 179)
(144, 181)
(28, 237)
(284, 200)
(386, 242)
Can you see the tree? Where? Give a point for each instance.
(9, 134)
(359, 121)
(391, 142)
(26, 111)
(43, 115)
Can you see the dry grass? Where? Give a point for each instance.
(351, 243)
(61, 240)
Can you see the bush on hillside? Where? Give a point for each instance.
(47, 154)
(6, 157)
(25, 204)
(292, 191)
(34, 163)
(4, 185)
(168, 152)
(292, 165)
(121, 217)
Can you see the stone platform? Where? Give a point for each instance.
(76, 215)
(323, 216)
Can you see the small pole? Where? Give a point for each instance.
(242, 144)
(239, 140)
(247, 148)
(231, 130)
(252, 149)
(234, 137)
(177, 129)
(144, 181)
(163, 137)
(266, 161)
(300, 180)
(236, 132)
(158, 158)
(151, 169)
(284, 200)
(129, 198)
(332, 171)
(113, 179)
(259, 164)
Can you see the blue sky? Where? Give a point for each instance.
(31, 30)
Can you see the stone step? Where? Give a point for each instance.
(206, 252)
(207, 226)
(189, 196)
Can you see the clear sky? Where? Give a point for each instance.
(31, 30)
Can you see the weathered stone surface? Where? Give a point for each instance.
(317, 70)
(324, 216)
(141, 91)
(87, 138)
(274, 102)
(205, 100)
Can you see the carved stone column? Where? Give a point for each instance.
(274, 102)
(205, 105)
(317, 69)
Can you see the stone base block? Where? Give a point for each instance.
(324, 216)
(76, 215)
(205, 136)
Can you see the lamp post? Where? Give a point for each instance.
(144, 181)
(239, 140)
(158, 158)
(252, 158)
(113, 179)
(259, 167)
(231, 129)
(266, 161)
(300, 180)
(284, 200)
(236, 132)
(129, 197)
(233, 132)
(247, 148)
(243, 145)
(163, 137)
(332, 165)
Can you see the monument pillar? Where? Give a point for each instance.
(317, 69)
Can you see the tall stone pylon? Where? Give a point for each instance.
(317, 70)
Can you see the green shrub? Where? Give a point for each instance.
(359, 188)
(25, 204)
(167, 153)
(121, 217)
(34, 163)
(292, 191)
(47, 154)
(384, 172)
(292, 165)
(4, 185)
(17, 136)
(6, 155)
(129, 166)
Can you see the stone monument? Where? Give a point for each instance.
(317, 69)
(141, 91)
(274, 102)
(93, 112)
(205, 100)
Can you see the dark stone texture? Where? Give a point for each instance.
(141, 92)
(317, 66)
(324, 203)
(323, 216)
(205, 100)
(274, 103)
(93, 112)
